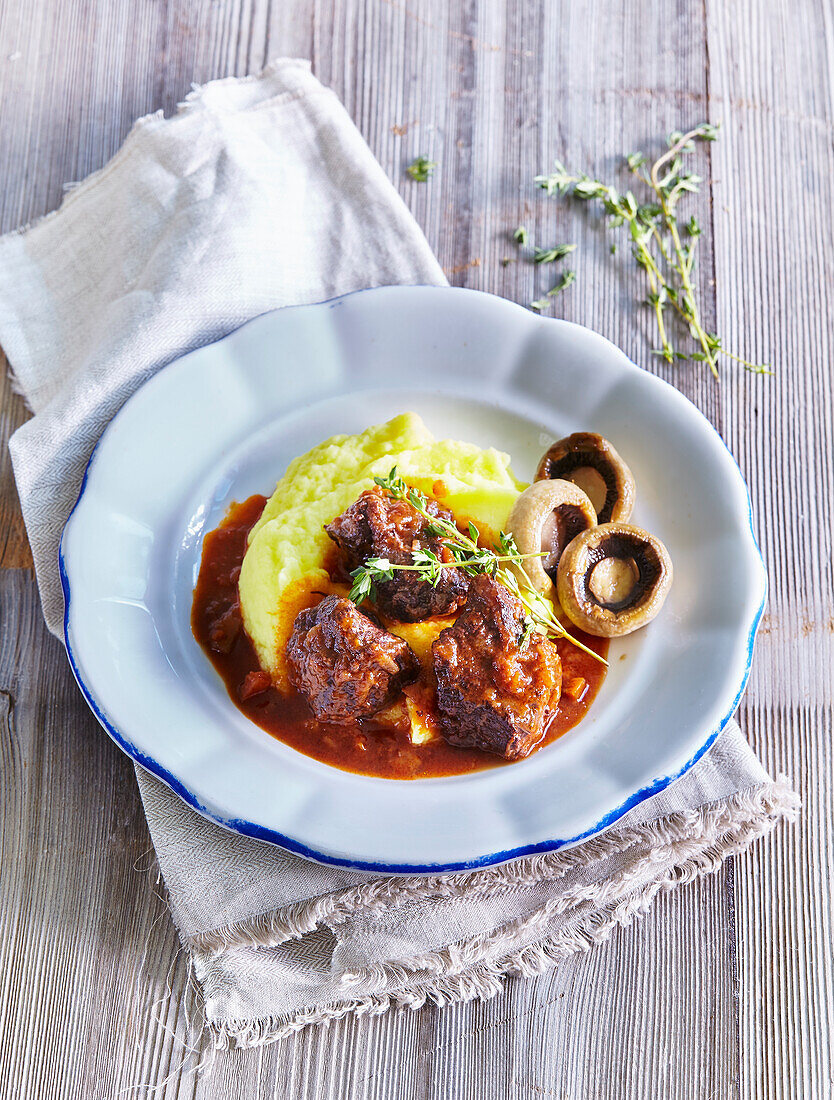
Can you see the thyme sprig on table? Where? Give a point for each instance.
(467, 556)
(663, 246)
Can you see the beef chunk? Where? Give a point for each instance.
(346, 665)
(490, 694)
(377, 526)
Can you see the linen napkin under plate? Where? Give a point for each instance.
(261, 193)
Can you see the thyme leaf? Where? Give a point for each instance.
(421, 168)
(566, 280)
(552, 255)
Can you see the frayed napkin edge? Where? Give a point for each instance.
(273, 928)
(761, 809)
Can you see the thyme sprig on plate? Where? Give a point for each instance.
(467, 556)
(662, 245)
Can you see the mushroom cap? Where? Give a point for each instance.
(613, 579)
(591, 462)
(547, 516)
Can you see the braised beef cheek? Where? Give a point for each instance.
(346, 666)
(376, 526)
(492, 694)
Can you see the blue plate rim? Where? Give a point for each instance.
(259, 832)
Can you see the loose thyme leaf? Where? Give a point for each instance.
(521, 235)
(567, 279)
(552, 255)
(421, 169)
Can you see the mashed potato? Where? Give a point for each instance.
(285, 559)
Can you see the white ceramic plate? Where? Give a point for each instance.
(223, 422)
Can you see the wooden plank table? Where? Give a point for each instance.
(726, 988)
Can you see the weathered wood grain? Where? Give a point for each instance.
(14, 546)
(76, 918)
(773, 240)
(493, 92)
(86, 950)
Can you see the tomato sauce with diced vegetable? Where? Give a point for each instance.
(380, 745)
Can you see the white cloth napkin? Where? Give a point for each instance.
(260, 193)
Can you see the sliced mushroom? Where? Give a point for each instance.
(590, 462)
(613, 579)
(548, 516)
